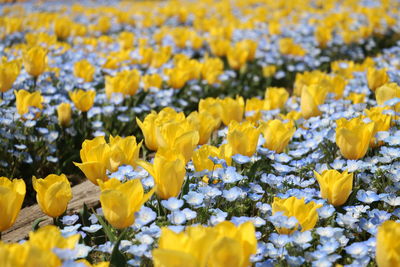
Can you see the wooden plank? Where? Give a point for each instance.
(85, 192)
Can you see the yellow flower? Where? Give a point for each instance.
(9, 72)
(126, 40)
(52, 194)
(277, 134)
(269, 71)
(120, 201)
(62, 27)
(306, 214)
(387, 244)
(275, 98)
(152, 81)
(237, 57)
(84, 70)
(49, 237)
(219, 47)
(288, 47)
(64, 114)
(125, 82)
(311, 97)
(382, 122)
(212, 106)
(232, 109)
(222, 245)
(201, 157)
(243, 138)
(323, 35)
(356, 98)
(25, 100)
(376, 78)
(338, 83)
(83, 100)
(168, 173)
(386, 92)
(12, 194)
(212, 68)
(353, 137)
(204, 123)
(253, 109)
(35, 60)
(126, 148)
(335, 186)
(177, 77)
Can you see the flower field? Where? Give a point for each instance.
(219, 132)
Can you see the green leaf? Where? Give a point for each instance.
(117, 258)
(106, 227)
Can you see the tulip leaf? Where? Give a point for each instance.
(106, 228)
(117, 258)
(36, 223)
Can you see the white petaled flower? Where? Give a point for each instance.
(172, 204)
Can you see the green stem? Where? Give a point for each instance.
(55, 221)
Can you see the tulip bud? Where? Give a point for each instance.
(243, 138)
(84, 70)
(353, 137)
(25, 100)
(53, 194)
(9, 72)
(376, 78)
(35, 60)
(387, 244)
(277, 134)
(120, 201)
(12, 194)
(335, 186)
(306, 214)
(64, 114)
(83, 100)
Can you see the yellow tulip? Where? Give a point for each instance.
(52, 194)
(306, 214)
(353, 137)
(308, 78)
(335, 186)
(212, 68)
(222, 245)
(178, 77)
(126, 40)
(212, 106)
(376, 78)
(243, 138)
(287, 46)
(83, 100)
(204, 123)
(35, 60)
(62, 27)
(323, 36)
(9, 72)
(84, 70)
(120, 201)
(292, 115)
(232, 109)
(269, 71)
(127, 149)
(168, 173)
(338, 83)
(237, 57)
(64, 114)
(152, 81)
(277, 134)
(201, 157)
(275, 98)
(382, 122)
(386, 92)
(311, 97)
(219, 47)
(49, 237)
(125, 82)
(25, 100)
(356, 98)
(253, 109)
(387, 244)
(12, 194)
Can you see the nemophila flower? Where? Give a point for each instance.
(69, 219)
(353, 137)
(25, 100)
(35, 60)
(367, 196)
(9, 72)
(172, 203)
(306, 214)
(232, 194)
(277, 134)
(120, 201)
(194, 198)
(335, 186)
(219, 245)
(243, 138)
(53, 194)
(83, 100)
(12, 194)
(64, 113)
(326, 211)
(168, 173)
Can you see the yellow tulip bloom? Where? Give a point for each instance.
(62, 27)
(311, 97)
(275, 98)
(25, 100)
(277, 134)
(83, 100)
(201, 160)
(64, 113)
(127, 148)
(35, 60)
(237, 57)
(120, 201)
(306, 214)
(387, 92)
(204, 123)
(335, 186)
(376, 78)
(168, 173)
(125, 82)
(243, 138)
(212, 106)
(126, 40)
(387, 244)
(269, 71)
(232, 109)
(152, 81)
(9, 72)
(12, 194)
(84, 70)
(49, 237)
(356, 98)
(222, 245)
(353, 137)
(382, 122)
(52, 194)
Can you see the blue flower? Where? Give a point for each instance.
(367, 196)
(172, 204)
(194, 198)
